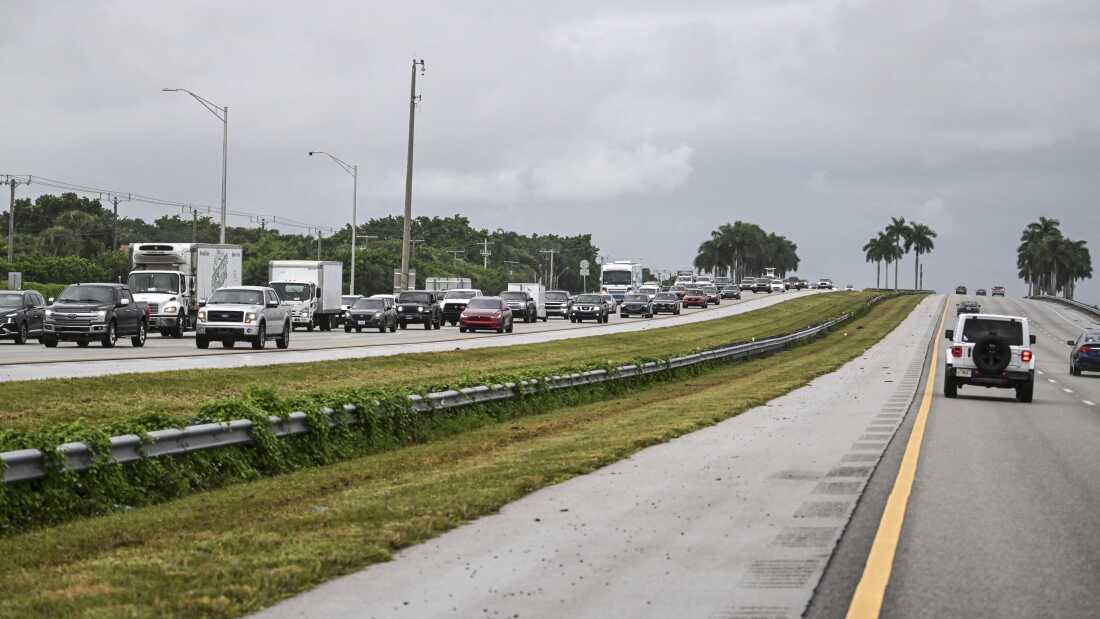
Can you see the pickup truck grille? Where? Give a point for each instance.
(223, 316)
(154, 308)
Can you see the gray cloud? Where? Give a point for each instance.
(644, 123)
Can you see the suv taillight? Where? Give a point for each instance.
(1025, 356)
(1086, 349)
(956, 351)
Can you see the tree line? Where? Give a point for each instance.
(744, 249)
(67, 238)
(892, 243)
(1049, 262)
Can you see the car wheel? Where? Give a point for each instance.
(950, 386)
(48, 341)
(284, 340)
(82, 343)
(1074, 370)
(454, 322)
(1026, 390)
(110, 337)
(138, 340)
(462, 329)
(22, 335)
(500, 329)
(360, 330)
(404, 325)
(228, 343)
(428, 325)
(511, 326)
(309, 327)
(176, 332)
(202, 342)
(439, 324)
(381, 328)
(347, 328)
(261, 338)
(393, 327)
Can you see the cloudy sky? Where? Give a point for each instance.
(646, 124)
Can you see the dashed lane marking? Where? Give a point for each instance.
(1067, 390)
(1052, 380)
(1089, 402)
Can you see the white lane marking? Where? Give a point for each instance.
(1065, 319)
(1052, 380)
(1040, 372)
(1067, 390)
(1089, 402)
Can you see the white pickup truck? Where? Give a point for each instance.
(990, 350)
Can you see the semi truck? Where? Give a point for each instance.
(443, 284)
(172, 278)
(311, 290)
(620, 277)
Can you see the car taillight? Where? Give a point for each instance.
(956, 351)
(1086, 349)
(1025, 356)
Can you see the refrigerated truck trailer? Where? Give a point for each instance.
(311, 289)
(172, 278)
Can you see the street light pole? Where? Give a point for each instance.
(407, 234)
(222, 114)
(353, 170)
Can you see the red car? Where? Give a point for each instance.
(694, 297)
(486, 313)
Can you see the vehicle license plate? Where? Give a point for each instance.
(963, 372)
(362, 322)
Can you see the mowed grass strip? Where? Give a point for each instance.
(239, 549)
(27, 405)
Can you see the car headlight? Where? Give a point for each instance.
(378, 314)
(101, 315)
(347, 314)
(250, 317)
(169, 309)
(419, 309)
(400, 308)
(202, 314)
(49, 313)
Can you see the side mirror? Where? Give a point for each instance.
(949, 334)
(273, 304)
(1068, 342)
(1032, 338)
(50, 300)
(202, 302)
(123, 302)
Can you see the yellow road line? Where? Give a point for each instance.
(871, 590)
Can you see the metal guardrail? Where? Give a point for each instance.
(30, 464)
(1092, 310)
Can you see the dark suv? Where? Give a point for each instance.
(521, 304)
(101, 312)
(635, 304)
(419, 306)
(589, 306)
(557, 303)
(21, 315)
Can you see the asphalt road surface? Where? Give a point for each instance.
(735, 520)
(1005, 506)
(34, 361)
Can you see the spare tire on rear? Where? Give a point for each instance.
(992, 355)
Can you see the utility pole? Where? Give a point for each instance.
(194, 225)
(550, 284)
(318, 243)
(455, 253)
(485, 253)
(12, 182)
(407, 235)
(510, 263)
(413, 243)
(366, 239)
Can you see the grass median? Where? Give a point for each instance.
(242, 548)
(29, 405)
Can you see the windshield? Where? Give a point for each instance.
(514, 296)
(666, 296)
(484, 304)
(694, 291)
(154, 282)
(236, 296)
(291, 292)
(617, 278)
(87, 294)
(348, 300)
(414, 297)
(557, 296)
(588, 298)
(636, 297)
(11, 300)
(370, 304)
(460, 294)
(1011, 331)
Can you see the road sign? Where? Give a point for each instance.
(584, 268)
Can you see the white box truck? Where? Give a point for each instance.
(535, 308)
(311, 289)
(171, 278)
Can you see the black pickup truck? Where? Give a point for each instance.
(21, 313)
(95, 312)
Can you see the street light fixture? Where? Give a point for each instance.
(222, 114)
(353, 170)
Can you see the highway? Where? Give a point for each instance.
(34, 361)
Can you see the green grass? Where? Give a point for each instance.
(30, 405)
(242, 548)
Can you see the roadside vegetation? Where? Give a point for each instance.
(897, 239)
(231, 551)
(1050, 262)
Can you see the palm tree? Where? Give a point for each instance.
(1049, 262)
(897, 230)
(873, 253)
(708, 256)
(919, 239)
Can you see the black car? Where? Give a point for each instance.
(731, 292)
(21, 315)
(960, 290)
(589, 307)
(666, 303)
(101, 312)
(1085, 356)
(419, 307)
(748, 284)
(969, 307)
(371, 314)
(635, 304)
(522, 305)
(980, 292)
(762, 284)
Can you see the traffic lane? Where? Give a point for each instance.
(435, 341)
(1004, 509)
(159, 346)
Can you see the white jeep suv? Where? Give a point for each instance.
(990, 350)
